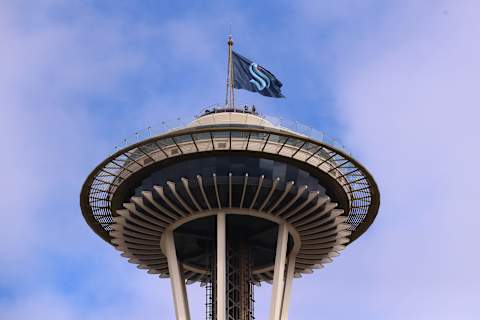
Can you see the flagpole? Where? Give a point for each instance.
(230, 95)
(232, 81)
(228, 78)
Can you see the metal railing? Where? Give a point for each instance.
(179, 123)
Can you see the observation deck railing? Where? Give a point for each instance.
(280, 123)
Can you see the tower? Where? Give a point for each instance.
(230, 201)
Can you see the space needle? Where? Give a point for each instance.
(231, 201)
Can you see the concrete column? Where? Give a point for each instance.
(288, 285)
(221, 267)
(180, 298)
(279, 273)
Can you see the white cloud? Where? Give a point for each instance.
(407, 96)
(52, 66)
(45, 125)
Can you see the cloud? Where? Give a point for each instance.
(407, 100)
(46, 68)
(61, 75)
(52, 70)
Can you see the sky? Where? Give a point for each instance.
(395, 81)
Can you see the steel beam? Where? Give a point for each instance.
(288, 285)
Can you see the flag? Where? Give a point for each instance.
(250, 76)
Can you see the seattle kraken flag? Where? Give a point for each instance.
(250, 76)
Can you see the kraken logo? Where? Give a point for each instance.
(260, 79)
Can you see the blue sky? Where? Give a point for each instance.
(396, 81)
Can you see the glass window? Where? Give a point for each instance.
(310, 147)
(221, 134)
(239, 134)
(259, 135)
(295, 142)
(202, 136)
(184, 138)
(277, 138)
(165, 142)
(222, 165)
(149, 147)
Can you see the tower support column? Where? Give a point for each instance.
(288, 285)
(279, 273)
(179, 289)
(221, 266)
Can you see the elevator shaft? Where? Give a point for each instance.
(239, 284)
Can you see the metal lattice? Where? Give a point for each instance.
(211, 290)
(209, 301)
(239, 282)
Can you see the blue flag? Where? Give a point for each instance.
(250, 76)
